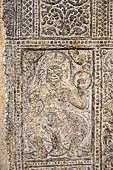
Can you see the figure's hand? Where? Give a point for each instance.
(78, 100)
(66, 94)
(81, 93)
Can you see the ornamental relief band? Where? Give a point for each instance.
(58, 68)
(65, 17)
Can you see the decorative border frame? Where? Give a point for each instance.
(107, 128)
(87, 163)
(15, 48)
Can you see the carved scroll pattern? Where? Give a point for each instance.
(65, 18)
(107, 132)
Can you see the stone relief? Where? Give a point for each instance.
(67, 17)
(58, 63)
(57, 122)
(108, 108)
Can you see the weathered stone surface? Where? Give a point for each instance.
(58, 67)
(3, 150)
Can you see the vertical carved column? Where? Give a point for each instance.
(102, 16)
(94, 18)
(111, 18)
(97, 108)
(107, 102)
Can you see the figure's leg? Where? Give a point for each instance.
(38, 144)
(57, 147)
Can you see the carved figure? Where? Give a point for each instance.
(47, 116)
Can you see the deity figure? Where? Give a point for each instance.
(47, 120)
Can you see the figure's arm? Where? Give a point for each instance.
(34, 106)
(78, 100)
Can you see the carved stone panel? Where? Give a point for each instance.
(53, 113)
(58, 67)
(57, 106)
(65, 18)
(48, 18)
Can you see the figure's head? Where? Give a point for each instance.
(54, 74)
(54, 68)
(82, 80)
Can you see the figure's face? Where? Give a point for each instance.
(81, 83)
(82, 80)
(54, 74)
